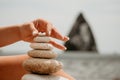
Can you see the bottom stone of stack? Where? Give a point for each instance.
(42, 66)
(42, 77)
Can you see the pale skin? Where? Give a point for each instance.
(11, 66)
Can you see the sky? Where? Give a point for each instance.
(102, 15)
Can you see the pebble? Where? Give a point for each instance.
(48, 54)
(44, 39)
(41, 46)
(42, 66)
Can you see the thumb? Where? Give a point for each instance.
(34, 30)
(35, 33)
(49, 29)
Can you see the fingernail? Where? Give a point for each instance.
(66, 38)
(65, 48)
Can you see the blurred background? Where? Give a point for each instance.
(103, 17)
(92, 25)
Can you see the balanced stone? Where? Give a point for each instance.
(48, 54)
(41, 61)
(44, 39)
(41, 46)
(42, 66)
(42, 77)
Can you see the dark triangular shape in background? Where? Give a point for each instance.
(81, 36)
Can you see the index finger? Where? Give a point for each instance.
(57, 35)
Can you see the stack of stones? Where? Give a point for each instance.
(42, 63)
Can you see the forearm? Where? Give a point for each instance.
(9, 35)
(11, 68)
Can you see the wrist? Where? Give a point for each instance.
(25, 31)
(19, 31)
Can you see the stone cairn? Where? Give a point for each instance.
(42, 63)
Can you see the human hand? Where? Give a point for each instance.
(30, 30)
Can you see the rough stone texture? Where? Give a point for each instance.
(91, 66)
(41, 46)
(48, 54)
(42, 66)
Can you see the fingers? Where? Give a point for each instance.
(49, 28)
(34, 30)
(44, 26)
(57, 45)
(65, 38)
(57, 35)
(46, 39)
